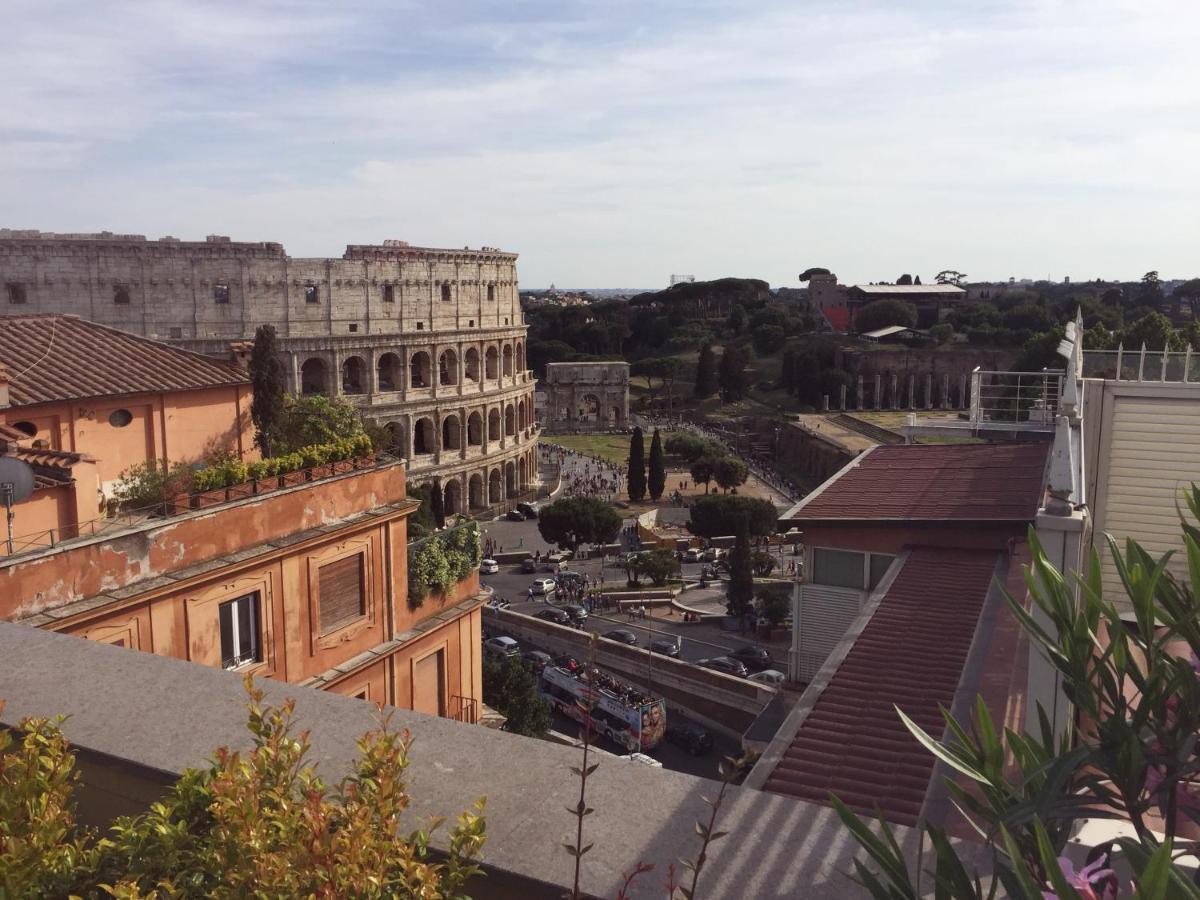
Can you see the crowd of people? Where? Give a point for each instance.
(583, 475)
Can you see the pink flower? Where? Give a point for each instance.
(1187, 793)
(1092, 882)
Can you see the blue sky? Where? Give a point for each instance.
(613, 143)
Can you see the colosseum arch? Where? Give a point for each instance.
(471, 365)
(448, 367)
(453, 497)
(354, 375)
(396, 442)
(451, 433)
(490, 364)
(510, 479)
(420, 375)
(475, 498)
(521, 423)
(474, 430)
(494, 425)
(520, 356)
(591, 411)
(508, 361)
(495, 486)
(424, 437)
(510, 420)
(390, 372)
(314, 376)
(522, 477)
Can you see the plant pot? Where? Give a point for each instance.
(291, 479)
(342, 466)
(240, 491)
(320, 472)
(364, 462)
(181, 502)
(266, 485)
(203, 499)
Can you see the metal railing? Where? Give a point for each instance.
(463, 709)
(1023, 399)
(1177, 367)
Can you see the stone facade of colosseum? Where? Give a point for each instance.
(430, 343)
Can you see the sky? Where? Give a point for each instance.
(612, 143)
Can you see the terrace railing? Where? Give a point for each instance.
(1015, 399)
(1180, 367)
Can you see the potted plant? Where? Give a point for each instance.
(210, 487)
(264, 475)
(341, 455)
(237, 480)
(316, 460)
(363, 451)
(291, 469)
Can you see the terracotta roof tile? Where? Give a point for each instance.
(51, 468)
(909, 655)
(65, 358)
(923, 482)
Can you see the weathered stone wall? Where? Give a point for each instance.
(424, 340)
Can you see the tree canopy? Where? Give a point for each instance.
(716, 515)
(511, 689)
(636, 477)
(882, 313)
(656, 480)
(572, 521)
(706, 373)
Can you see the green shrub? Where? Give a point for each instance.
(439, 562)
(152, 482)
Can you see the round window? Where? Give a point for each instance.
(26, 427)
(119, 418)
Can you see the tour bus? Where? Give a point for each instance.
(625, 714)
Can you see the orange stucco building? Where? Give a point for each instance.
(122, 399)
(305, 584)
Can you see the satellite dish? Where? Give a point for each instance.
(17, 475)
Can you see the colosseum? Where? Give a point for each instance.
(429, 343)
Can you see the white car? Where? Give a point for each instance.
(488, 567)
(769, 677)
(543, 586)
(502, 647)
(693, 555)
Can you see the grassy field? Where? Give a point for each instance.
(611, 447)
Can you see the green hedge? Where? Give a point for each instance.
(440, 562)
(229, 472)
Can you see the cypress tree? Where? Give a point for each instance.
(706, 374)
(732, 375)
(267, 377)
(637, 466)
(658, 467)
(740, 596)
(437, 504)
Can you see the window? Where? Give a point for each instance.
(239, 631)
(119, 418)
(220, 293)
(121, 294)
(176, 332)
(26, 427)
(389, 293)
(341, 592)
(354, 327)
(848, 568)
(420, 326)
(491, 292)
(16, 293)
(311, 294)
(446, 291)
(471, 323)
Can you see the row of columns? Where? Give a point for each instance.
(891, 393)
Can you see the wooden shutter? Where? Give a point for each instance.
(341, 592)
(826, 613)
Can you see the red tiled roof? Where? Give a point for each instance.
(910, 654)
(8, 434)
(923, 482)
(65, 358)
(51, 468)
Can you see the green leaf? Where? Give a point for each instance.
(938, 750)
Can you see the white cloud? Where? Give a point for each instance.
(1022, 138)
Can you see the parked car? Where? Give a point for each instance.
(724, 664)
(692, 555)
(543, 585)
(560, 556)
(528, 510)
(577, 613)
(665, 647)
(754, 658)
(515, 515)
(769, 677)
(569, 578)
(537, 659)
(622, 636)
(488, 567)
(502, 647)
(712, 554)
(555, 615)
(528, 566)
(692, 737)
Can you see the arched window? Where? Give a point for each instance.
(475, 496)
(419, 370)
(453, 497)
(491, 364)
(471, 364)
(451, 433)
(520, 356)
(495, 486)
(390, 371)
(474, 430)
(314, 376)
(508, 361)
(424, 437)
(396, 442)
(510, 420)
(448, 367)
(494, 425)
(354, 376)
